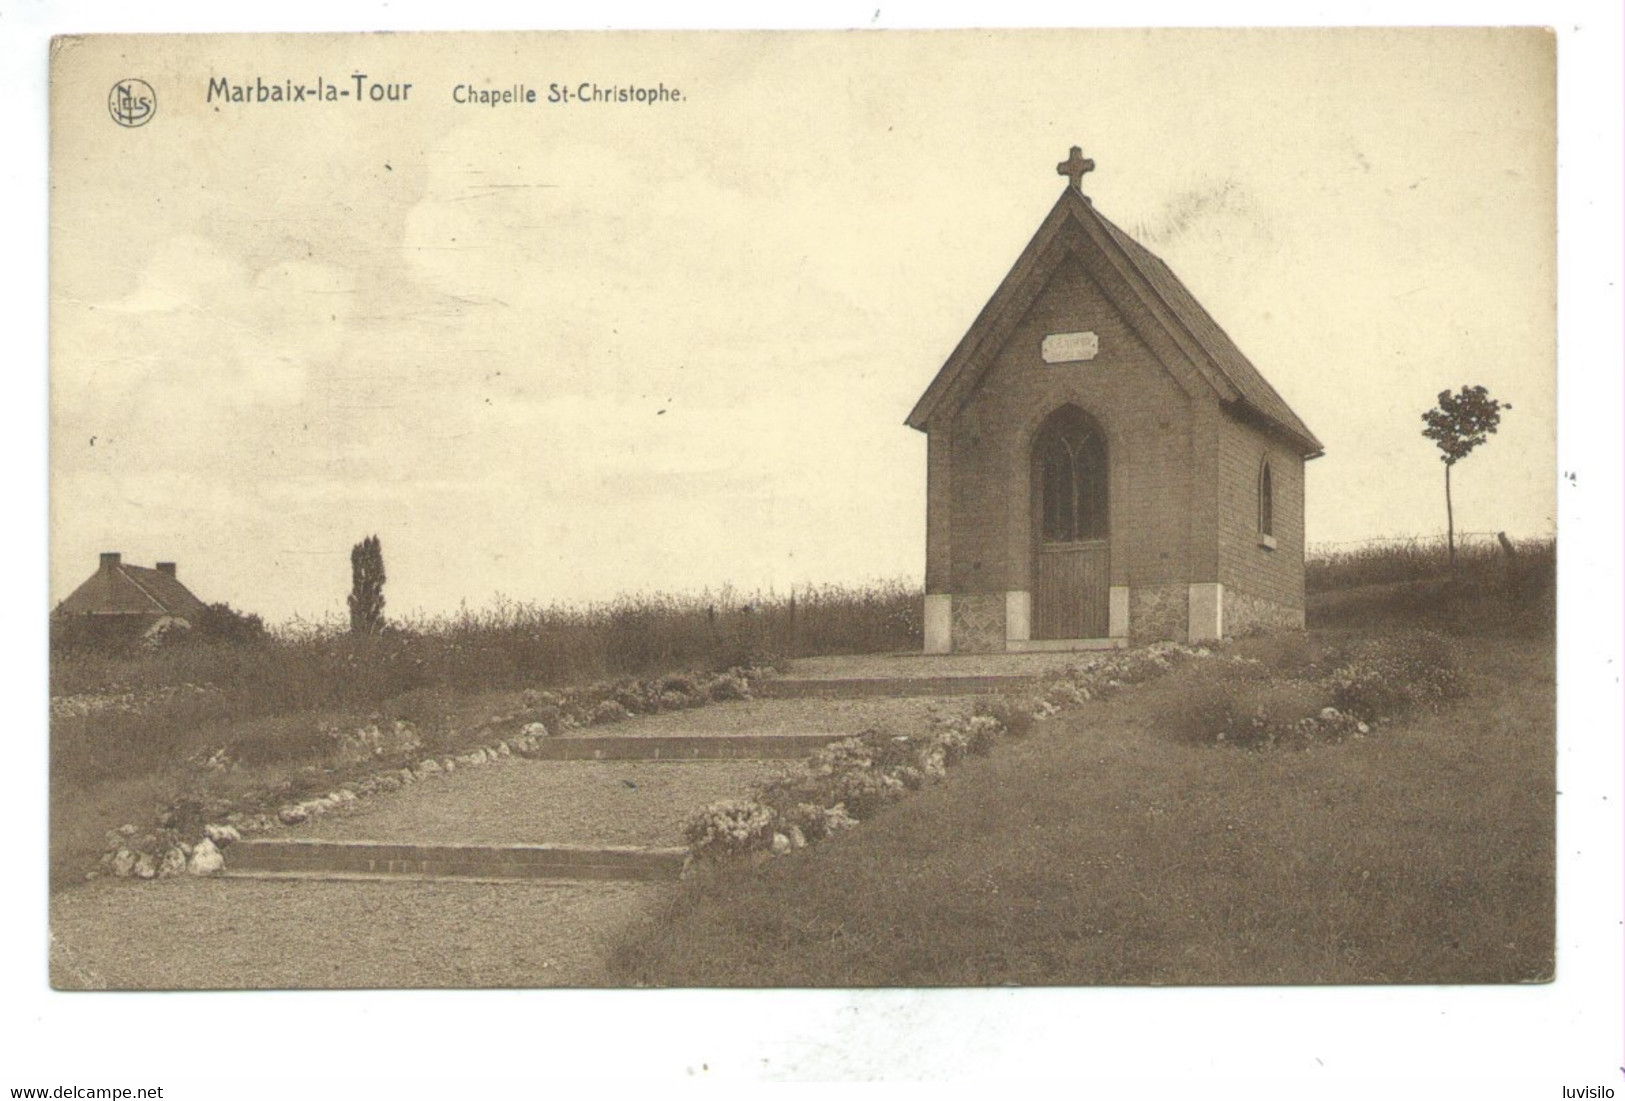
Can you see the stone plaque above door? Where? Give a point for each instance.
(1070, 347)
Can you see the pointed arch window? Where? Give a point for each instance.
(1072, 456)
(1266, 502)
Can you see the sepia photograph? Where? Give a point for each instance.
(491, 475)
(902, 510)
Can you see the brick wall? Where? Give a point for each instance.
(938, 512)
(1145, 411)
(1244, 565)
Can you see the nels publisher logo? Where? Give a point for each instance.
(132, 102)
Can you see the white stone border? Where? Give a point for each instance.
(206, 858)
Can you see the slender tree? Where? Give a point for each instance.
(1458, 424)
(366, 586)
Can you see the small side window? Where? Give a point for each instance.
(1266, 506)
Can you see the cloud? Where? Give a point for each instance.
(663, 348)
(1216, 211)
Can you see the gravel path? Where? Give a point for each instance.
(272, 934)
(191, 934)
(518, 801)
(793, 716)
(933, 665)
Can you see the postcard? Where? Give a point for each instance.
(892, 509)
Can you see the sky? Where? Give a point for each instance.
(558, 352)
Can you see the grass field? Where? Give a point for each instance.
(1105, 850)
(1480, 560)
(1112, 848)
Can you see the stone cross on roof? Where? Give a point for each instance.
(1074, 167)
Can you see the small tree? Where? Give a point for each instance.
(1458, 424)
(366, 586)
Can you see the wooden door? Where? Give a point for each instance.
(1071, 555)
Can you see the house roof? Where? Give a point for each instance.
(1234, 378)
(132, 590)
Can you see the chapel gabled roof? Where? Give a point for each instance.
(119, 589)
(1234, 378)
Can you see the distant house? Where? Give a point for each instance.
(120, 601)
(1103, 463)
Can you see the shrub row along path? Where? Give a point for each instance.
(445, 932)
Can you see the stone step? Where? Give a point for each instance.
(309, 858)
(699, 747)
(784, 688)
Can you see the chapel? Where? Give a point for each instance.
(1104, 465)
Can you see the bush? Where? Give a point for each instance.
(1250, 712)
(638, 697)
(1016, 719)
(679, 684)
(275, 747)
(810, 818)
(390, 741)
(1312, 691)
(887, 750)
(610, 711)
(1295, 654)
(860, 774)
(842, 773)
(1277, 713)
(729, 686)
(223, 623)
(980, 734)
(952, 743)
(729, 827)
(1389, 677)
